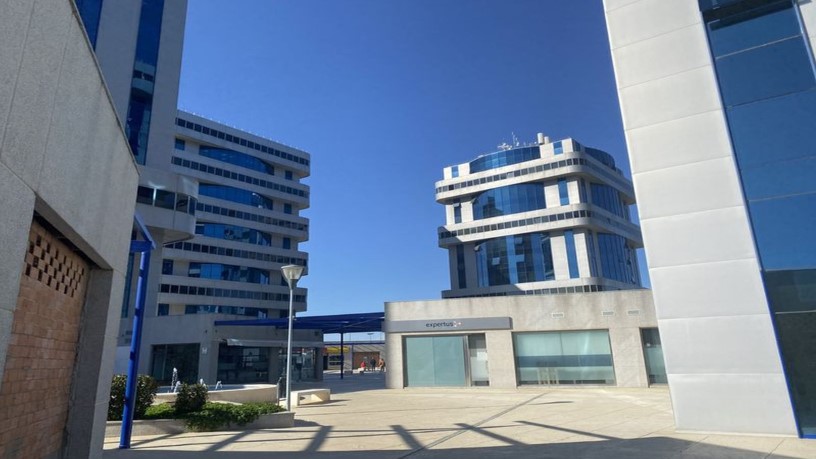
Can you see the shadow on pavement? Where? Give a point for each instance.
(641, 448)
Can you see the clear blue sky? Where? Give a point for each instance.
(384, 94)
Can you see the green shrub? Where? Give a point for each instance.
(146, 388)
(190, 398)
(160, 411)
(215, 415)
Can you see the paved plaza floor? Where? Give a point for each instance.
(365, 421)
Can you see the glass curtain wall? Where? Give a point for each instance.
(510, 199)
(570, 357)
(144, 77)
(765, 72)
(514, 260)
(239, 364)
(183, 357)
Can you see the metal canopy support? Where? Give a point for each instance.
(342, 356)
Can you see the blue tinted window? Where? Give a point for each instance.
(784, 231)
(752, 28)
(90, 11)
(602, 156)
(572, 257)
(287, 243)
(768, 71)
(229, 273)
(288, 175)
(236, 158)
(167, 267)
(563, 192)
(791, 290)
(558, 148)
(514, 260)
(618, 260)
(504, 158)
(234, 233)
(780, 178)
(608, 198)
(180, 144)
(261, 313)
(509, 199)
(774, 129)
(455, 171)
(460, 266)
(287, 208)
(457, 213)
(163, 309)
(144, 76)
(235, 195)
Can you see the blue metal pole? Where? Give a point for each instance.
(342, 356)
(135, 343)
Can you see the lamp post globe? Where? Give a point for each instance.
(292, 273)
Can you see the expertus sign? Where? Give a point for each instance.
(473, 324)
(451, 324)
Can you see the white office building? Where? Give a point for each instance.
(545, 287)
(718, 99)
(548, 217)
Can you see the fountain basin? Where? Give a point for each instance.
(236, 393)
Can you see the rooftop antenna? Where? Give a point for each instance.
(515, 140)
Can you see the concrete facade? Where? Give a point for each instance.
(188, 300)
(63, 158)
(623, 313)
(722, 359)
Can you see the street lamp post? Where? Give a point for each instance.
(291, 273)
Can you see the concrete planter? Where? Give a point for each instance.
(176, 426)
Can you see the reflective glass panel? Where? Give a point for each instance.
(90, 11)
(774, 129)
(514, 259)
(435, 361)
(783, 229)
(509, 200)
(504, 158)
(797, 340)
(237, 159)
(752, 28)
(791, 290)
(575, 357)
(653, 354)
(572, 257)
(768, 71)
(144, 76)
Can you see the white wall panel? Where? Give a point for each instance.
(747, 403)
(693, 187)
(727, 344)
(648, 18)
(674, 52)
(726, 288)
(685, 140)
(701, 237)
(677, 96)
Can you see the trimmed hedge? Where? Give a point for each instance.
(214, 415)
(190, 398)
(146, 388)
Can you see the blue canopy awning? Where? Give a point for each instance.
(341, 323)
